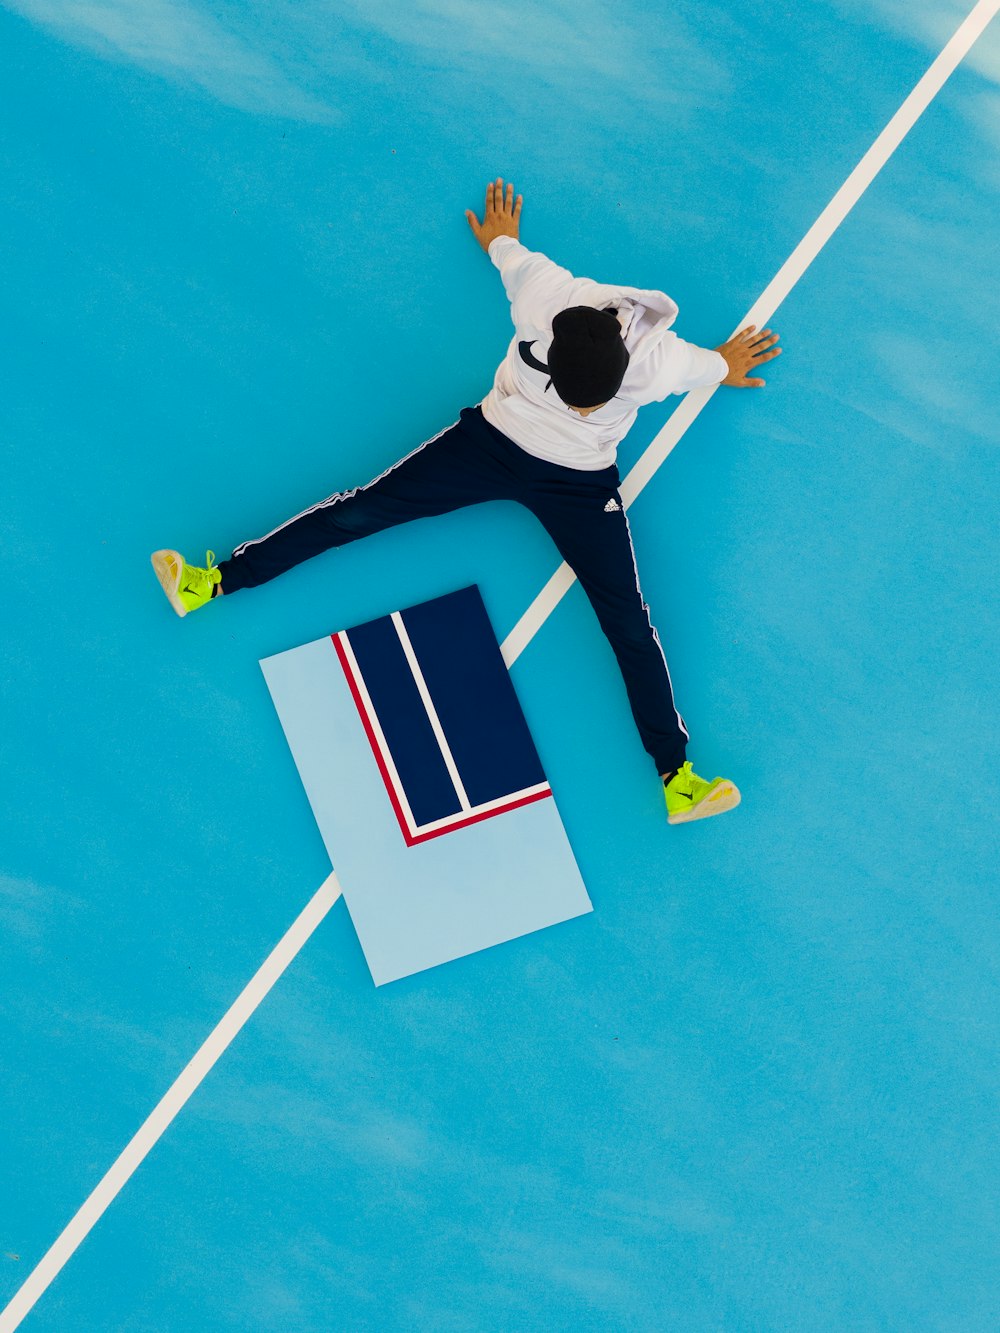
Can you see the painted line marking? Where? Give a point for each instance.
(762, 311)
(171, 1103)
(523, 632)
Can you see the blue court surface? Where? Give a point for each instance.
(756, 1087)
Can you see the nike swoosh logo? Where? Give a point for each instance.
(524, 348)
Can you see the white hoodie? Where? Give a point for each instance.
(539, 422)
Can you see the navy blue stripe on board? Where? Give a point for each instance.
(403, 719)
(473, 695)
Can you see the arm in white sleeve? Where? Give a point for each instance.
(536, 287)
(676, 366)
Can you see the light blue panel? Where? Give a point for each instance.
(414, 907)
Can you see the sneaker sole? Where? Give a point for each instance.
(724, 797)
(169, 580)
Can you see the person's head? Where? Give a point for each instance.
(588, 357)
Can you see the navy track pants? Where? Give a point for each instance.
(473, 462)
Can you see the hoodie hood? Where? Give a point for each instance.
(644, 314)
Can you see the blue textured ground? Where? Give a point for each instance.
(756, 1089)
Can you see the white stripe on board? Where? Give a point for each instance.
(537, 790)
(316, 909)
(173, 1100)
(772, 296)
(431, 711)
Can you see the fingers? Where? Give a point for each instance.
(510, 208)
(495, 201)
(750, 335)
(763, 341)
(767, 356)
(750, 349)
(762, 345)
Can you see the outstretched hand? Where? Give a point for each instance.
(744, 351)
(502, 216)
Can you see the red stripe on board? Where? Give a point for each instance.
(372, 740)
(409, 838)
(476, 819)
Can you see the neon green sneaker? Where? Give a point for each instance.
(691, 797)
(186, 586)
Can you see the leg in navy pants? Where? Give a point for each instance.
(468, 464)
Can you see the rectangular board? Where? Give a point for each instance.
(426, 785)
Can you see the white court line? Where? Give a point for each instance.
(522, 634)
(762, 311)
(171, 1103)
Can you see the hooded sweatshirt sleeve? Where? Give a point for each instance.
(675, 366)
(536, 287)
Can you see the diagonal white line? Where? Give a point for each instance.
(524, 631)
(772, 296)
(171, 1103)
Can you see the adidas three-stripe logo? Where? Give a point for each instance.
(612, 507)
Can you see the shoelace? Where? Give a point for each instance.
(196, 578)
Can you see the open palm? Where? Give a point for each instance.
(744, 351)
(502, 215)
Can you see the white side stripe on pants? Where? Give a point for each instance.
(337, 496)
(656, 637)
